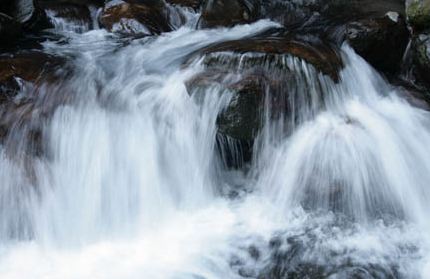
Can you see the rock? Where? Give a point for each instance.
(32, 67)
(319, 55)
(10, 30)
(418, 13)
(421, 45)
(307, 253)
(26, 12)
(288, 13)
(97, 3)
(193, 4)
(76, 15)
(134, 17)
(295, 14)
(21, 115)
(381, 41)
(263, 76)
(228, 12)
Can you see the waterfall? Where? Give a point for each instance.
(363, 153)
(130, 183)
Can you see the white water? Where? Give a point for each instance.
(130, 188)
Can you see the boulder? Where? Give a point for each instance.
(135, 18)
(418, 13)
(381, 41)
(296, 14)
(228, 12)
(266, 77)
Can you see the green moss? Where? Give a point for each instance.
(423, 54)
(419, 14)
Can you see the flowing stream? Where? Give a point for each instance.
(131, 186)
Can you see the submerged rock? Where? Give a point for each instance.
(418, 13)
(135, 17)
(25, 73)
(324, 250)
(381, 41)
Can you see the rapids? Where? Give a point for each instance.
(132, 185)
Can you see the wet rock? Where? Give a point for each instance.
(10, 30)
(228, 12)
(21, 116)
(347, 10)
(69, 12)
(308, 254)
(26, 12)
(381, 41)
(289, 13)
(421, 45)
(263, 76)
(322, 57)
(418, 13)
(29, 66)
(135, 17)
(193, 4)
(324, 13)
(97, 3)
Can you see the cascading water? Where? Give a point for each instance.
(129, 186)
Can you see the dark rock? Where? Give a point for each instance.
(381, 41)
(235, 154)
(288, 13)
(319, 55)
(323, 13)
(97, 3)
(194, 4)
(135, 17)
(265, 78)
(418, 13)
(75, 13)
(32, 68)
(228, 12)
(10, 30)
(21, 116)
(421, 45)
(308, 254)
(26, 12)
(347, 10)
(29, 66)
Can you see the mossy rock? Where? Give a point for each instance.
(418, 12)
(421, 44)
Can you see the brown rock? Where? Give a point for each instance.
(146, 18)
